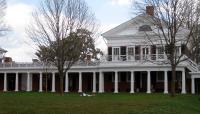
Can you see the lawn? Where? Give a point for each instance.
(122, 103)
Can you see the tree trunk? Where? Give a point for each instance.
(61, 83)
(173, 87)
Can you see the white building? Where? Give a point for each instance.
(133, 64)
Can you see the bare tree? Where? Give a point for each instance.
(169, 19)
(55, 31)
(194, 22)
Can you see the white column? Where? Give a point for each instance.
(165, 82)
(40, 82)
(179, 50)
(148, 82)
(193, 85)
(5, 82)
(132, 82)
(53, 82)
(67, 82)
(28, 82)
(16, 82)
(183, 82)
(116, 82)
(100, 82)
(80, 82)
(94, 82)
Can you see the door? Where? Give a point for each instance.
(130, 53)
(116, 53)
(145, 53)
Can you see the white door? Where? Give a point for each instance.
(116, 52)
(145, 52)
(130, 53)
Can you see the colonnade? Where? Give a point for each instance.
(101, 82)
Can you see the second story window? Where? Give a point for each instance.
(160, 52)
(131, 51)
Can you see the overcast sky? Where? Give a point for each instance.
(109, 14)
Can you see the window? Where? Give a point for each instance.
(130, 51)
(137, 53)
(160, 52)
(145, 28)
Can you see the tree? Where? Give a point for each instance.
(55, 32)
(194, 23)
(169, 19)
(88, 46)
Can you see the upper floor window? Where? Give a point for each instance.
(160, 50)
(130, 51)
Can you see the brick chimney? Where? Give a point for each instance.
(150, 10)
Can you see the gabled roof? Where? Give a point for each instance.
(130, 27)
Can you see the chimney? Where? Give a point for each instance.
(150, 10)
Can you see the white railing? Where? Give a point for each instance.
(149, 57)
(191, 64)
(41, 65)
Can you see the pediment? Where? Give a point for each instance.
(130, 27)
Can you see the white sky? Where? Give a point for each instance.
(108, 12)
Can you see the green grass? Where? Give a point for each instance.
(122, 103)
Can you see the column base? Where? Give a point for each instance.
(80, 91)
(53, 91)
(193, 92)
(40, 90)
(93, 91)
(132, 92)
(183, 92)
(16, 90)
(116, 92)
(101, 92)
(148, 91)
(4, 90)
(165, 92)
